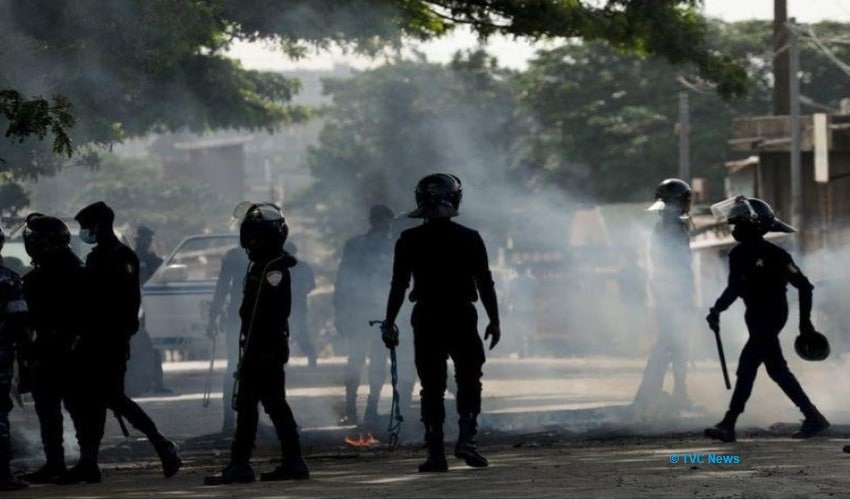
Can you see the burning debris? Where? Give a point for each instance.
(369, 441)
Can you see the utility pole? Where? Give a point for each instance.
(794, 104)
(780, 58)
(684, 135)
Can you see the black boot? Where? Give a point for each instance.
(814, 423)
(293, 466)
(46, 473)
(86, 470)
(724, 430)
(467, 446)
(370, 417)
(233, 473)
(169, 455)
(436, 461)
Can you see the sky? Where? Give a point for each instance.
(515, 53)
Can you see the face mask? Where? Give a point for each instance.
(88, 236)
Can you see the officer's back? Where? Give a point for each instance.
(445, 258)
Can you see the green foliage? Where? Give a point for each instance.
(139, 194)
(36, 117)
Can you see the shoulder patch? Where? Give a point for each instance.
(274, 277)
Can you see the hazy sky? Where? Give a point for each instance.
(515, 53)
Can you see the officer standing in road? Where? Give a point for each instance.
(145, 368)
(365, 269)
(264, 349)
(13, 336)
(449, 267)
(303, 282)
(111, 312)
(53, 290)
(224, 317)
(672, 287)
(759, 272)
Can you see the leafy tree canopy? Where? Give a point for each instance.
(130, 67)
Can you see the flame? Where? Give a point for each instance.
(361, 442)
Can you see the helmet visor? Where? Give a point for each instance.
(733, 208)
(658, 206)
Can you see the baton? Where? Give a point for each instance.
(396, 418)
(722, 357)
(121, 424)
(205, 401)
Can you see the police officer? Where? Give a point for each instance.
(759, 272)
(224, 316)
(264, 349)
(13, 333)
(52, 291)
(111, 312)
(448, 263)
(149, 261)
(303, 282)
(672, 287)
(365, 269)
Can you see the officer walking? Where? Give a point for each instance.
(264, 349)
(449, 267)
(303, 282)
(672, 287)
(52, 290)
(224, 317)
(365, 269)
(759, 272)
(13, 334)
(111, 310)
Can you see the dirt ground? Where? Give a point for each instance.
(542, 466)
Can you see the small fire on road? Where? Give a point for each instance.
(361, 442)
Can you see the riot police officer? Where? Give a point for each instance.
(264, 349)
(111, 311)
(13, 334)
(759, 272)
(52, 289)
(672, 288)
(224, 316)
(303, 282)
(149, 261)
(365, 269)
(449, 267)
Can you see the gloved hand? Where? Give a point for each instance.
(389, 334)
(713, 320)
(806, 326)
(493, 330)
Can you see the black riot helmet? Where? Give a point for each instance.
(812, 346)
(672, 195)
(751, 214)
(263, 230)
(45, 236)
(97, 213)
(437, 197)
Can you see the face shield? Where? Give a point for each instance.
(734, 209)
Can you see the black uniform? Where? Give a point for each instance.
(111, 309)
(53, 290)
(13, 311)
(264, 341)
(303, 282)
(759, 272)
(225, 307)
(365, 270)
(449, 266)
(149, 262)
(672, 288)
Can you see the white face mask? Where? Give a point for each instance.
(88, 236)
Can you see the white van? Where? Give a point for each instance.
(176, 299)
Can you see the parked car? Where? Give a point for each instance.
(176, 299)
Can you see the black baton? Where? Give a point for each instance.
(722, 357)
(121, 424)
